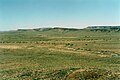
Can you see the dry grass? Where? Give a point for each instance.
(68, 56)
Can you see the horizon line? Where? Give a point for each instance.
(59, 27)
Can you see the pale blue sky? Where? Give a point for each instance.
(16, 14)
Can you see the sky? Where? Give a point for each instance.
(17, 14)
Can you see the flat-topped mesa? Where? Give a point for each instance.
(90, 28)
(46, 29)
(103, 28)
(36, 29)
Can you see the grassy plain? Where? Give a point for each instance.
(59, 55)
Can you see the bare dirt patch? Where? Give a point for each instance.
(10, 47)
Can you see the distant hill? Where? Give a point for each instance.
(46, 29)
(90, 28)
(103, 28)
